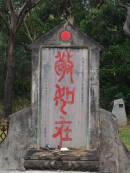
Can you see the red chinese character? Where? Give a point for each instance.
(65, 96)
(63, 131)
(64, 65)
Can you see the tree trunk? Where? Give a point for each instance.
(126, 26)
(8, 90)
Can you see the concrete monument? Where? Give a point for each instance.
(65, 91)
(120, 112)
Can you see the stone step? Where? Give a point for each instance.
(44, 172)
(62, 165)
(73, 160)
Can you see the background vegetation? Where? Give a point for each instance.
(124, 134)
(104, 24)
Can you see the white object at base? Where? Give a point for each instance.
(64, 149)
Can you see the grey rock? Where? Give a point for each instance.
(113, 156)
(18, 140)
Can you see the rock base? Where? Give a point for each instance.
(74, 159)
(112, 157)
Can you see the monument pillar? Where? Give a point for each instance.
(65, 91)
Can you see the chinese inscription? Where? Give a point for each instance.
(64, 65)
(64, 95)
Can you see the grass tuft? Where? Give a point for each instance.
(124, 133)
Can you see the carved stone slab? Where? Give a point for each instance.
(65, 90)
(64, 100)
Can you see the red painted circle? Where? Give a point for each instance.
(65, 36)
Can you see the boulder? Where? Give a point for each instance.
(113, 155)
(18, 140)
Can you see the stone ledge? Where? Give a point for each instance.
(44, 172)
(56, 154)
(62, 165)
(74, 159)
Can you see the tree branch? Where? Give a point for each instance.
(28, 32)
(99, 3)
(126, 26)
(27, 6)
(121, 4)
(9, 6)
(12, 15)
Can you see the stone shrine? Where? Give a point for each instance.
(64, 129)
(65, 90)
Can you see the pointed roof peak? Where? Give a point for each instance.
(78, 39)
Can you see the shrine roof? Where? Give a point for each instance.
(52, 38)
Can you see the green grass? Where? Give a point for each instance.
(21, 104)
(124, 133)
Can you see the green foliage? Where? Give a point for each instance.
(125, 136)
(115, 74)
(3, 52)
(22, 85)
(1, 108)
(105, 25)
(20, 103)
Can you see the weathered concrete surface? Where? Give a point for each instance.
(77, 111)
(113, 156)
(120, 112)
(19, 138)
